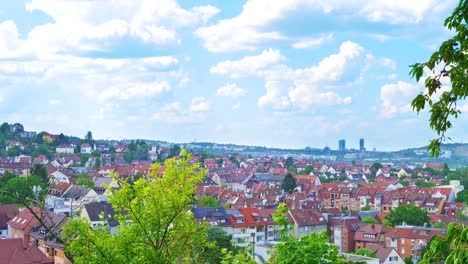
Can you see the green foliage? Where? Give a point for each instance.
(220, 247)
(452, 249)
(307, 170)
(425, 184)
(452, 56)
(440, 225)
(289, 183)
(365, 208)
(83, 179)
(408, 260)
(366, 253)
(20, 190)
(367, 220)
(208, 201)
(157, 226)
(40, 171)
(14, 151)
(409, 213)
(97, 163)
(313, 248)
(174, 151)
(462, 197)
(243, 257)
(289, 162)
(459, 174)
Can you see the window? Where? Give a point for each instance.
(402, 250)
(394, 258)
(402, 241)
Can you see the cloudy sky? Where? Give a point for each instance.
(285, 73)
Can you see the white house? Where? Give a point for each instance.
(86, 148)
(65, 149)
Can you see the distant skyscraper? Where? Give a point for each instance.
(342, 145)
(361, 145)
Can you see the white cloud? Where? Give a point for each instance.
(174, 113)
(249, 65)
(462, 108)
(236, 106)
(81, 25)
(54, 102)
(199, 104)
(395, 98)
(231, 90)
(134, 90)
(248, 29)
(312, 42)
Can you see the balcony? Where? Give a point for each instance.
(418, 247)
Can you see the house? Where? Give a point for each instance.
(372, 234)
(40, 236)
(100, 215)
(386, 255)
(213, 216)
(427, 165)
(65, 149)
(15, 251)
(59, 177)
(306, 221)
(409, 241)
(69, 199)
(102, 147)
(7, 212)
(342, 230)
(86, 148)
(41, 159)
(15, 144)
(246, 226)
(27, 134)
(22, 224)
(47, 137)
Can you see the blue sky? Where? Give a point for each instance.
(283, 73)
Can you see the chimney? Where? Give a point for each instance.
(404, 223)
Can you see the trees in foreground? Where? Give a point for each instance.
(449, 61)
(451, 249)
(155, 221)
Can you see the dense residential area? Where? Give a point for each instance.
(390, 211)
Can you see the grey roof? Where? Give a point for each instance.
(96, 208)
(201, 212)
(76, 191)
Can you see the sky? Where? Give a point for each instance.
(275, 73)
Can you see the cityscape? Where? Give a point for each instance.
(233, 132)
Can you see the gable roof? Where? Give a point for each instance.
(7, 212)
(14, 251)
(95, 209)
(24, 219)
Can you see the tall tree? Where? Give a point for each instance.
(289, 183)
(289, 162)
(89, 137)
(408, 213)
(449, 61)
(451, 249)
(156, 225)
(40, 171)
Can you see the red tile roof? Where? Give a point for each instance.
(14, 251)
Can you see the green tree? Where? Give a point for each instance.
(208, 201)
(451, 58)
(289, 162)
(20, 190)
(83, 179)
(157, 226)
(462, 197)
(365, 252)
(367, 220)
(307, 170)
(425, 184)
(221, 244)
(451, 249)
(14, 151)
(409, 213)
(40, 171)
(97, 163)
(42, 149)
(365, 208)
(89, 138)
(174, 151)
(314, 248)
(289, 183)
